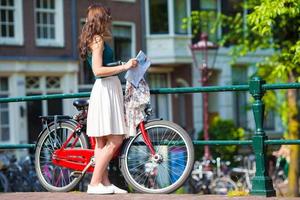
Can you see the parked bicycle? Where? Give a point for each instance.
(200, 177)
(17, 175)
(245, 172)
(207, 179)
(157, 160)
(4, 184)
(29, 175)
(280, 175)
(13, 172)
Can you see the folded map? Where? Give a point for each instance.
(134, 75)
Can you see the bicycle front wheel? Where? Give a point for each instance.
(52, 177)
(165, 171)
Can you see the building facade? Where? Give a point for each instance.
(167, 47)
(234, 106)
(39, 55)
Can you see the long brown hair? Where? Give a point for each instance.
(97, 20)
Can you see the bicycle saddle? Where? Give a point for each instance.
(80, 104)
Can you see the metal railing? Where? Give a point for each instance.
(262, 183)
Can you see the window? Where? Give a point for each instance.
(239, 76)
(124, 43)
(165, 16)
(159, 17)
(7, 19)
(231, 8)
(49, 23)
(41, 85)
(182, 102)
(180, 12)
(4, 114)
(53, 82)
(85, 75)
(11, 26)
(159, 102)
(210, 7)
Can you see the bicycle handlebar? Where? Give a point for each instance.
(114, 64)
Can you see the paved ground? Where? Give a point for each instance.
(84, 196)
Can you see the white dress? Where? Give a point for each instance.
(106, 108)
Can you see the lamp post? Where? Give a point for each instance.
(200, 51)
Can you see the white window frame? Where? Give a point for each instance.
(18, 39)
(6, 93)
(133, 34)
(59, 40)
(171, 16)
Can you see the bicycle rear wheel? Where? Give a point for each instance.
(167, 170)
(52, 177)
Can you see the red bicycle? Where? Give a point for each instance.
(157, 160)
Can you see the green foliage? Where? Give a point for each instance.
(221, 129)
(272, 25)
(180, 191)
(199, 19)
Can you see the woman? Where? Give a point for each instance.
(105, 119)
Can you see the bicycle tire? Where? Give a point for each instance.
(46, 171)
(171, 153)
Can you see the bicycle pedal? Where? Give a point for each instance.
(76, 174)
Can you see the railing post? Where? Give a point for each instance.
(261, 183)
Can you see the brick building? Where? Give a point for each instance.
(39, 55)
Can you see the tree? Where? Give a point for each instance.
(221, 129)
(272, 25)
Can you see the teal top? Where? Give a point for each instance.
(108, 56)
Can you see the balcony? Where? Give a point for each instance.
(164, 49)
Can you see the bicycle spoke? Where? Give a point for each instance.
(137, 166)
(141, 150)
(173, 171)
(140, 175)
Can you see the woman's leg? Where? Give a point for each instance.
(103, 156)
(114, 142)
(100, 143)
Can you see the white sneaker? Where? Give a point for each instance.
(99, 189)
(117, 190)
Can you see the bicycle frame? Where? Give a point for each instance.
(78, 159)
